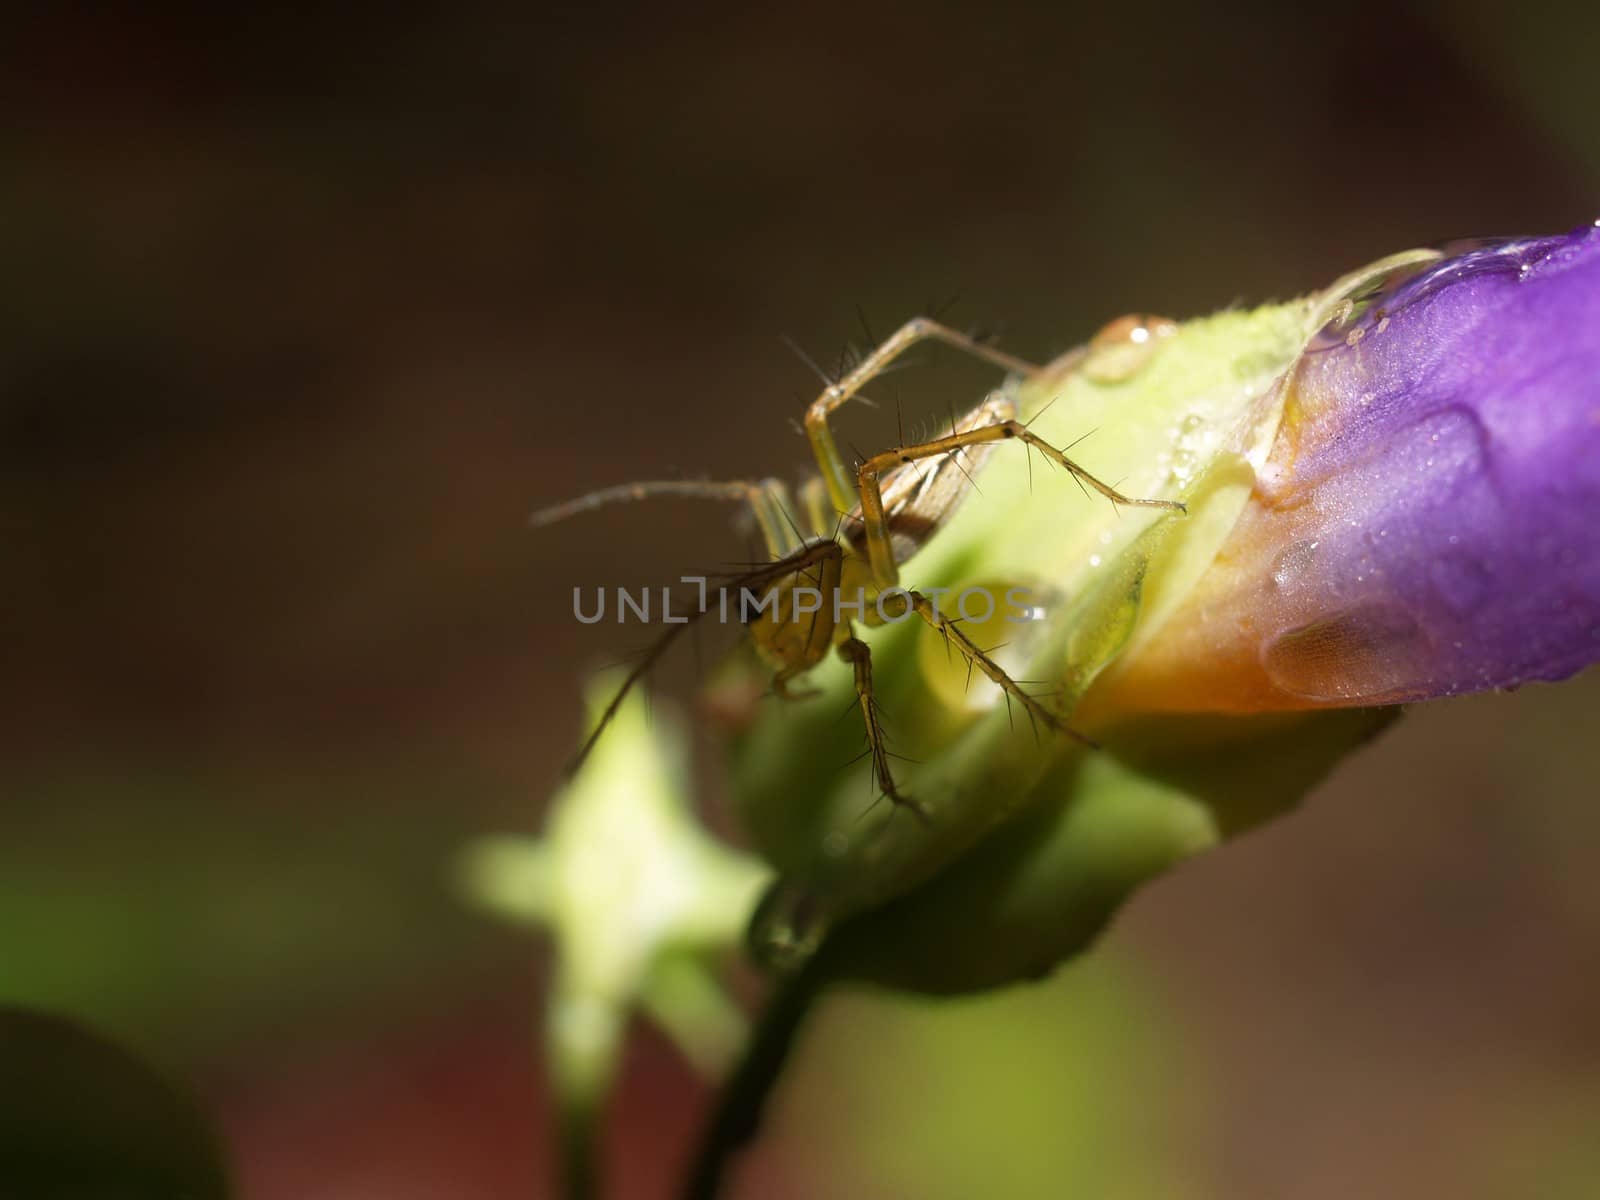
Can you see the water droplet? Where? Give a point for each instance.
(1121, 349)
(1362, 303)
(1369, 297)
(1192, 444)
(1101, 623)
(1368, 654)
(787, 926)
(1292, 564)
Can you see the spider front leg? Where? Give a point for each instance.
(875, 522)
(831, 462)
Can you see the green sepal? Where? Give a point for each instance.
(1042, 889)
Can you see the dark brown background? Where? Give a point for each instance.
(303, 313)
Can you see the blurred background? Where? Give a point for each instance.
(304, 312)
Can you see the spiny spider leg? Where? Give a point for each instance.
(975, 655)
(885, 571)
(857, 653)
(834, 471)
(768, 499)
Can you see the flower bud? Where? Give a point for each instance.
(1429, 520)
(1392, 491)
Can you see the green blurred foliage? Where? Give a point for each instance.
(1027, 1093)
(187, 910)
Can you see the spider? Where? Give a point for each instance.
(886, 510)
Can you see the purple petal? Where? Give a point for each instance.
(1429, 522)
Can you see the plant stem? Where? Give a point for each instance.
(577, 1134)
(736, 1117)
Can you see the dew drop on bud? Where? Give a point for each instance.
(1359, 300)
(1121, 349)
(1370, 654)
